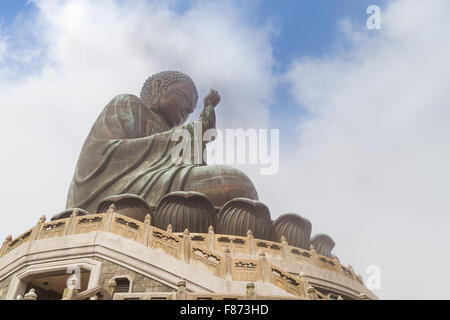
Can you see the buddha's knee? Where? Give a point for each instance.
(220, 183)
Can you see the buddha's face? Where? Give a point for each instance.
(177, 103)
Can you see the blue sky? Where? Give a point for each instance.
(301, 28)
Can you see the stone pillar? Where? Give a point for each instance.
(108, 216)
(285, 253)
(37, 228)
(147, 230)
(70, 222)
(185, 246)
(264, 268)
(211, 238)
(228, 264)
(251, 243)
(251, 294)
(8, 239)
(73, 283)
(181, 291)
(31, 295)
(311, 293)
(112, 284)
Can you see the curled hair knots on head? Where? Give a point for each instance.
(150, 92)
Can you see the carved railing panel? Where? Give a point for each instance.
(235, 244)
(127, 227)
(88, 223)
(245, 270)
(211, 260)
(165, 241)
(24, 237)
(52, 229)
(286, 281)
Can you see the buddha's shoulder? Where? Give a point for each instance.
(127, 99)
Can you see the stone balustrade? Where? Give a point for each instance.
(227, 256)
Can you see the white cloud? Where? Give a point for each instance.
(83, 53)
(372, 168)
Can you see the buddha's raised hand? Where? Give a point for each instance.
(212, 98)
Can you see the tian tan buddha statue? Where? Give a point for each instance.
(126, 160)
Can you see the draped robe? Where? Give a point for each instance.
(128, 151)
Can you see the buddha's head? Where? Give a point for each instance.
(172, 95)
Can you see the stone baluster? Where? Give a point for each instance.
(251, 243)
(112, 284)
(71, 222)
(211, 238)
(305, 282)
(185, 246)
(108, 216)
(350, 268)
(5, 244)
(37, 228)
(264, 268)
(31, 295)
(181, 291)
(228, 264)
(285, 253)
(340, 298)
(147, 230)
(169, 229)
(311, 293)
(251, 294)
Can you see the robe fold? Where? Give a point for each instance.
(128, 151)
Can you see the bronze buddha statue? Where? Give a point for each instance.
(128, 149)
(126, 160)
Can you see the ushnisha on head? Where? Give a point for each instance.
(171, 94)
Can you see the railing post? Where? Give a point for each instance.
(264, 271)
(70, 222)
(8, 239)
(181, 291)
(71, 291)
(311, 293)
(31, 295)
(363, 296)
(146, 236)
(251, 243)
(112, 284)
(37, 228)
(211, 238)
(228, 264)
(109, 217)
(185, 246)
(251, 294)
(285, 254)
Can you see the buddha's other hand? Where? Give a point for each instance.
(212, 98)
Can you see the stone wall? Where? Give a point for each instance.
(140, 282)
(4, 285)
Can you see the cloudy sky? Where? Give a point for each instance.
(363, 114)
